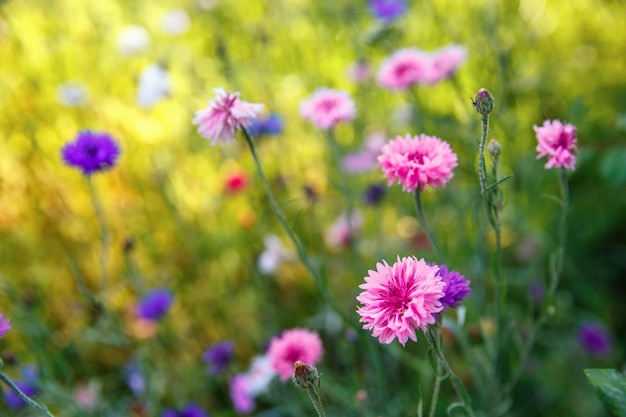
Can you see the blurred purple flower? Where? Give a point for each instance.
(155, 304)
(190, 410)
(218, 356)
(595, 339)
(134, 378)
(240, 394)
(91, 152)
(537, 291)
(456, 289)
(27, 384)
(373, 194)
(266, 126)
(387, 10)
(5, 325)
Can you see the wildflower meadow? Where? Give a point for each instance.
(281, 208)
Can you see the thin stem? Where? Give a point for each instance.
(314, 395)
(41, 408)
(104, 235)
(439, 377)
(422, 219)
(457, 384)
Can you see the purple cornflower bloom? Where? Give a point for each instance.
(266, 126)
(5, 325)
(456, 289)
(387, 10)
(218, 356)
(27, 384)
(91, 152)
(155, 304)
(134, 378)
(373, 194)
(190, 410)
(594, 339)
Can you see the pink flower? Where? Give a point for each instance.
(401, 298)
(447, 60)
(405, 68)
(235, 182)
(326, 107)
(359, 72)
(366, 158)
(294, 345)
(240, 395)
(340, 232)
(418, 161)
(558, 142)
(5, 325)
(224, 115)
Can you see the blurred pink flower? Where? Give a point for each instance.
(365, 159)
(405, 68)
(447, 60)
(240, 394)
(326, 107)
(5, 325)
(294, 345)
(224, 115)
(340, 232)
(87, 394)
(558, 142)
(359, 72)
(236, 181)
(418, 161)
(401, 298)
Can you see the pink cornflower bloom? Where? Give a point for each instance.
(447, 60)
(224, 115)
(558, 142)
(417, 161)
(326, 107)
(5, 325)
(401, 298)
(344, 229)
(405, 68)
(236, 181)
(240, 394)
(294, 345)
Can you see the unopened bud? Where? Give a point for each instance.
(494, 148)
(483, 103)
(305, 376)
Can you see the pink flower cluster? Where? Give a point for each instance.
(558, 142)
(224, 115)
(400, 298)
(417, 161)
(412, 66)
(326, 107)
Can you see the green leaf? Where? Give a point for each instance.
(611, 388)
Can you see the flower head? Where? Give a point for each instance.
(134, 377)
(240, 394)
(272, 256)
(236, 181)
(133, 40)
(558, 142)
(447, 60)
(326, 107)
(155, 304)
(594, 339)
(374, 194)
(387, 10)
(224, 115)
(269, 125)
(404, 68)
(260, 375)
(294, 345)
(305, 376)
(91, 152)
(401, 298)
(5, 325)
(218, 356)
(418, 161)
(190, 410)
(345, 228)
(484, 102)
(456, 289)
(154, 84)
(175, 22)
(27, 384)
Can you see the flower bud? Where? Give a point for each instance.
(305, 376)
(483, 103)
(494, 148)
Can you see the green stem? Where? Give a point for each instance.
(439, 377)
(457, 384)
(422, 219)
(104, 235)
(41, 408)
(314, 395)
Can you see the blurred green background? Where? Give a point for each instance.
(173, 224)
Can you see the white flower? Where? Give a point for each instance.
(272, 256)
(132, 40)
(71, 94)
(175, 22)
(154, 84)
(260, 375)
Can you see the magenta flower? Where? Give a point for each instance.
(456, 289)
(447, 60)
(155, 304)
(326, 107)
(558, 142)
(417, 161)
(5, 325)
(91, 152)
(294, 345)
(595, 339)
(344, 229)
(240, 395)
(401, 298)
(224, 115)
(406, 67)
